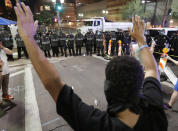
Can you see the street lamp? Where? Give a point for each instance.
(80, 14)
(62, 1)
(105, 12)
(171, 21)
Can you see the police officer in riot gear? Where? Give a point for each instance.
(37, 38)
(94, 42)
(20, 46)
(114, 43)
(126, 43)
(161, 41)
(79, 42)
(99, 43)
(54, 44)
(45, 41)
(107, 38)
(89, 41)
(62, 42)
(8, 43)
(174, 45)
(148, 39)
(70, 43)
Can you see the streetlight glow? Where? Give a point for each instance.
(62, 1)
(59, 7)
(53, 1)
(171, 21)
(104, 11)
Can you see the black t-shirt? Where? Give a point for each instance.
(82, 117)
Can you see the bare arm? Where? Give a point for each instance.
(151, 68)
(7, 51)
(46, 71)
(174, 61)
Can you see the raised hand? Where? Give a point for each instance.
(26, 25)
(138, 30)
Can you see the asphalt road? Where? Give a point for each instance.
(86, 76)
(12, 114)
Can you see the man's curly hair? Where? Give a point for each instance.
(127, 74)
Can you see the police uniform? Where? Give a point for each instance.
(20, 46)
(89, 42)
(70, 44)
(160, 42)
(62, 44)
(55, 44)
(126, 45)
(148, 40)
(79, 42)
(95, 43)
(45, 41)
(37, 38)
(8, 43)
(99, 43)
(175, 47)
(107, 37)
(114, 43)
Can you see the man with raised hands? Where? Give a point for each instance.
(128, 109)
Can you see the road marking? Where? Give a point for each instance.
(101, 58)
(50, 122)
(165, 83)
(32, 117)
(17, 73)
(96, 102)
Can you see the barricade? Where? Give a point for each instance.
(120, 48)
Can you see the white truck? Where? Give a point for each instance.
(101, 24)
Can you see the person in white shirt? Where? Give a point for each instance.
(4, 78)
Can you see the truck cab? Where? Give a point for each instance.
(94, 24)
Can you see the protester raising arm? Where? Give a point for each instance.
(27, 29)
(151, 69)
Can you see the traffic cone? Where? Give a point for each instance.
(109, 48)
(120, 47)
(163, 60)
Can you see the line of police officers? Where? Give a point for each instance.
(94, 43)
(98, 42)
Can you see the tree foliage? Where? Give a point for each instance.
(135, 8)
(46, 16)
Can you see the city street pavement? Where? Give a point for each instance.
(85, 75)
(12, 114)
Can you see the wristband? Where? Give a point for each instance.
(143, 46)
